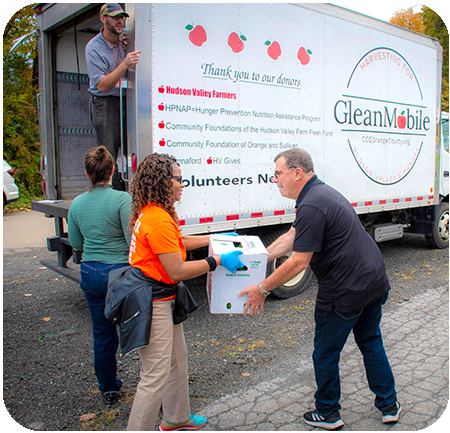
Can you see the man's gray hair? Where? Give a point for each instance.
(297, 158)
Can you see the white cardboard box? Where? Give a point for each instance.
(223, 286)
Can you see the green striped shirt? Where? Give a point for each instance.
(98, 221)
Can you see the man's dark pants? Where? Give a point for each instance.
(332, 331)
(105, 113)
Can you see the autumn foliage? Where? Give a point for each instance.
(430, 23)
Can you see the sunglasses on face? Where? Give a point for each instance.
(179, 179)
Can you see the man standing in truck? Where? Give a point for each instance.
(353, 286)
(107, 62)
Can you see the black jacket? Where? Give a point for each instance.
(129, 304)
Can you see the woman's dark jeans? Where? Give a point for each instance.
(332, 331)
(94, 283)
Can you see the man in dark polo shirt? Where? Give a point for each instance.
(353, 286)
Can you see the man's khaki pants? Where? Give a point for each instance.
(164, 376)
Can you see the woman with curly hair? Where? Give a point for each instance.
(159, 250)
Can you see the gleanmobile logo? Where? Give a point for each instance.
(383, 115)
(353, 113)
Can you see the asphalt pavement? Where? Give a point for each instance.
(23, 231)
(416, 341)
(415, 332)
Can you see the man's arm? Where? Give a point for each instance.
(295, 264)
(282, 245)
(110, 80)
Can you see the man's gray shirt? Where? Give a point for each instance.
(101, 59)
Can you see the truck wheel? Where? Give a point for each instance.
(293, 287)
(439, 238)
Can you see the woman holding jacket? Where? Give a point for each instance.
(159, 250)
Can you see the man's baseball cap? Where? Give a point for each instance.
(112, 10)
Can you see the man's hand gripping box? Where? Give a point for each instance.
(223, 286)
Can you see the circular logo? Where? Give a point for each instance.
(383, 116)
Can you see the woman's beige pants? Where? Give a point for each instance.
(164, 376)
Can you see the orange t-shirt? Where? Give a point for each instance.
(155, 232)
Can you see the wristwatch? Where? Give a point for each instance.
(263, 292)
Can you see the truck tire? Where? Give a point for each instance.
(439, 238)
(293, 287)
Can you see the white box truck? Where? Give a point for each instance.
(226, 87)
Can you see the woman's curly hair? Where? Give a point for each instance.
(152, 184)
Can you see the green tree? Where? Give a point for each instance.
(21, 147)
(436, 28)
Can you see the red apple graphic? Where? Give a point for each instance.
(196, 36)
(236, 42)
(274, 50)
(401, 120)
(161, 89)
(161, 125)
(209, 160)
(162, 142)
(303, 55)
(161, 107)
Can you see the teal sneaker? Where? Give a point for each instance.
(194, 422)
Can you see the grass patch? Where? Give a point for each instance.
(23, 203)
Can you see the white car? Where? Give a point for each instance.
(10, 190)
